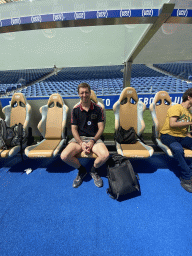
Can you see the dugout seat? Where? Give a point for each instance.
(129, 113)
(95, 100)
(19, 111)
(52, 127)
(158, 108)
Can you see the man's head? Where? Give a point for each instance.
(84, 91)
(187, 94)
(83, 85)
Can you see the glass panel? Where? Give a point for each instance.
(70, 47)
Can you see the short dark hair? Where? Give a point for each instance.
(186, 94)
(83, 85)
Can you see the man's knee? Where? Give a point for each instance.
(177, 148)
(104, 155)
(64, 156)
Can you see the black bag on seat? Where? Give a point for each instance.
(123, 136)
(121, 177)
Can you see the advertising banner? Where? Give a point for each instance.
(109, 100)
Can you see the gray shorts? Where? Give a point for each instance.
(85, 139)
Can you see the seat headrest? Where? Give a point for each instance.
(94, 97)
(55, 100)
(128, 93)
(18, 99)
(162, 97)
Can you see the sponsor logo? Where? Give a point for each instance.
(58, 16)
(125, 13)
(17, 96)
(15, 21)
(79, 15)
(147, 12)
(54, 97)
(36, 18)
(102, 14)
(182, 12)
(129, 92)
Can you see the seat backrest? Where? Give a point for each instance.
(19, 111)
(54, 115)
(95, 100)
(129, 111)
(161, 103)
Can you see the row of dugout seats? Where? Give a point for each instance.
(52, 126)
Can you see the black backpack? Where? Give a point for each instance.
(12, 136)
(121, 177)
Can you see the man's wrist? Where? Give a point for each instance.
(93, 140)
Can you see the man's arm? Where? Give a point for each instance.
(74, 130)
(97, 135)
(101, 128)
(174, 124)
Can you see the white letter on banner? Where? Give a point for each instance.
(141, 99)
(146, 101)
(177, 99)
(151, 100)
(108, 102)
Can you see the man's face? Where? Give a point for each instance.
(84, 94)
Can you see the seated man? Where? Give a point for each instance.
(87, 126)
(175, 133)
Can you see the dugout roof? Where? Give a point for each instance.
(41, 34)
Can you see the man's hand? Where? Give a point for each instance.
(90, 144)
(189, 134)
(87, 147)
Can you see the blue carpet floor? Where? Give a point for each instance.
(41, 214)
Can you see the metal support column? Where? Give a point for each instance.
(163, 17)
(127, 74)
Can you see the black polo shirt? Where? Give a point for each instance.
(87, 122)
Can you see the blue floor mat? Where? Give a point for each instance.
(41, 214)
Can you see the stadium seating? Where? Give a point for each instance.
(107, 80)
(19, 111)
(129, 113)
(52, 127)
(161, 103)
(183, 70)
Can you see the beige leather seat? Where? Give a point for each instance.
(161, 103)
(129, 113)
(19, 111)
(95, 100)
(52, 127)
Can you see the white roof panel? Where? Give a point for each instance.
(83, 45)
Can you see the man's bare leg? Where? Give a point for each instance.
(68, 156)
(103, 154)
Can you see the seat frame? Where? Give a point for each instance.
(54, 144)
(139, 149)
